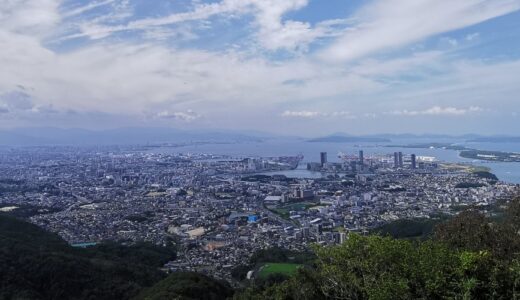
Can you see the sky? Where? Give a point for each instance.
(304, 67)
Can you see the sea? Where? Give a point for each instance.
(505, 171)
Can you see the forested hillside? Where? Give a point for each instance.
(36, 264)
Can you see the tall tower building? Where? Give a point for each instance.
(323, 158)
(361, 157)
(396, 160)
(414, 161)
(353, 165)
(400, 159)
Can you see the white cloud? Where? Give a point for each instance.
(82, 9)
(36, 17)
(472, 36)
(370, 115)
(438, 111)
(139, 78)
(186, 116)
(128, 78)
(162, 34)
(315, 114)
(16, 100)
(273, 33)
(469, 83)
(390, 24)
(452, 42)
(414, 63)
(301, 114)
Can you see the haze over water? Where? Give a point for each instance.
(505, 171)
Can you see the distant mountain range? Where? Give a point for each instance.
(496, 139)
(348, 139)
(162, 135)
(384, 138)
(120, 136)
(392, 136)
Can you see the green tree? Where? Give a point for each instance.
(187, 286)
(469, 230)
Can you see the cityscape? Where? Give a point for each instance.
(220, 209)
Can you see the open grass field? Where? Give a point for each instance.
(300, 206)
(464, 167)
(280, 268)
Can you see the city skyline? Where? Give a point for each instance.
(288, 67)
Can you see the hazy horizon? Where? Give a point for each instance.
(252, 132)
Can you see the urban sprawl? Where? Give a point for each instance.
(219, 209)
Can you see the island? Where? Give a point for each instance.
(446, 146)
(497, 156)
(348, 139)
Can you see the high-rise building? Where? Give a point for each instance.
(396, 160)
(323, 158)
(353, 166)
(251, 164)
(414, 161)
(361, 157)
(400, 159)
(340, 237)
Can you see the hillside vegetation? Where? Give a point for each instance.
(36, 264)
(468, 257)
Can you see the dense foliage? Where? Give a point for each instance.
(486, 175)
(39, 265)
(187, 286)
(279, 255)
(409, 228)
(468, 185)
(141, 253)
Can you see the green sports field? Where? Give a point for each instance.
(278, 268)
